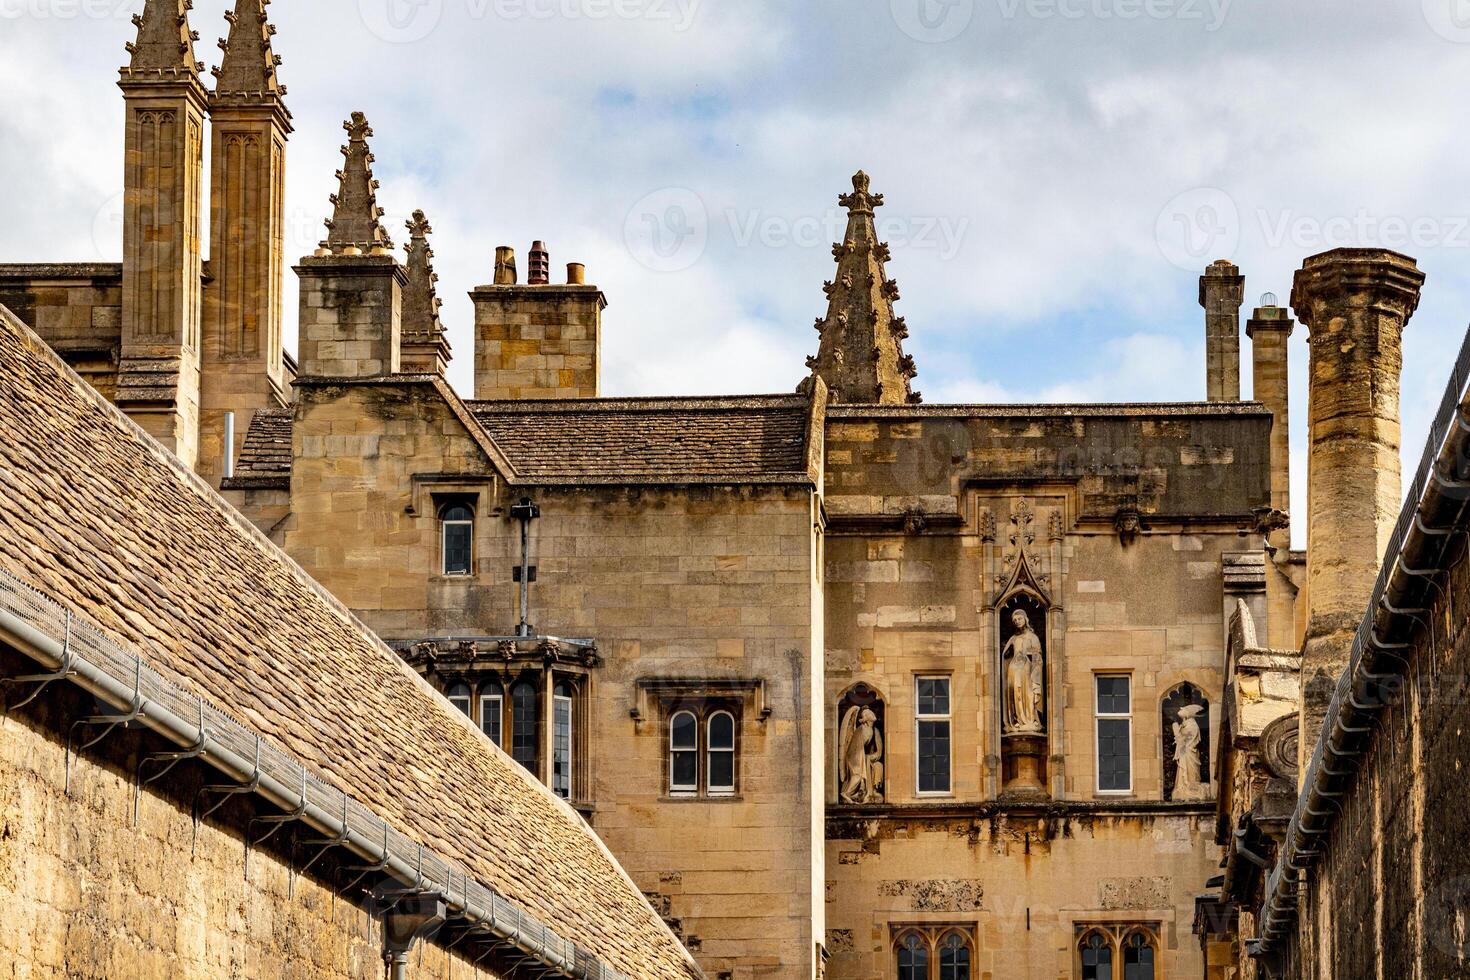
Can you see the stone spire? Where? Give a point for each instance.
(165, 45)
(248, 67)
(425, 346)
(860, 356)
(354, 228)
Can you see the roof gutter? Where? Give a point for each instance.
(1420, 548)
(76, 652)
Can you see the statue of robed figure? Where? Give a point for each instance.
(1023, 678)
(861, 747)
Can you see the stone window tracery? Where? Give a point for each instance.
(1117, 951)
(934, 952)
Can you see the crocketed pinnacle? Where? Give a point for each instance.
(248, 66)
(165, 45)
(420, 297)
(860, 356)
(354, 228)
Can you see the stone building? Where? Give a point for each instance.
(852, 686)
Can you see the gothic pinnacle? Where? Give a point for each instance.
(862, 360)
(420, 298)
(248, 66)
(165, 45)
(354, 227)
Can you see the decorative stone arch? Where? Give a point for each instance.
(862, 745)
(1183, 710)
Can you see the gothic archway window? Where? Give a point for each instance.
(1185, 722)
(1097, 957)
(459, 696)
(861, 733)
(913, 958)
(954, 957)
(525, 724)
(1138, 957)
(492, 708)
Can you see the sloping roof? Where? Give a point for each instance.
(99, 516)
(265, 454)
(755, 439)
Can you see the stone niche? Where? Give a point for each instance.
(1022, 620)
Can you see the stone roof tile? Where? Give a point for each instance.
(99, 516)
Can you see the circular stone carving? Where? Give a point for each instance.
(1278, 746)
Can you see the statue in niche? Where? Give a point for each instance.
(860, 747)
(1186, 744)
(1022, 656)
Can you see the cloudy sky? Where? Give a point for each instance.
(1057, 172)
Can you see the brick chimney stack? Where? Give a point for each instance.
(1269, 329)
(1221, 293)
(1356, 303)
(538, 340)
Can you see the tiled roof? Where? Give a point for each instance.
(99, 516)
(265, 455)
(757, 439)
(743, 440)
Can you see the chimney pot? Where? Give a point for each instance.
(576, 274)
(540, 271)
(505, 266)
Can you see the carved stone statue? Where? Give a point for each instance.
(861, 744)
(1023, 680)
(1187, 784)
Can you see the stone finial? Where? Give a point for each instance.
(248, 66)
(539, 274)
(354, 227)
(420, 297)
(165, 45)
(860, 355)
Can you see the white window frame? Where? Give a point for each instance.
(499, 709)
(559, 702)
(444, 527)
(462, 702)
(678, 789)
(948, 719)
(1098, 716)
(710, 751)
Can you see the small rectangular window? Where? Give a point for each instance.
(525, 725)
(491, 713)
(932, 714)
(1114, 733)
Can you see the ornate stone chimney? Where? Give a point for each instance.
(1355, 302)
(540, 339)
(1221, 293)
(425, 346)
(158, 374)
(243, 365)
(860, 356)
(352, 288)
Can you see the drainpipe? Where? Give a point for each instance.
(525, 512)
(411, 918)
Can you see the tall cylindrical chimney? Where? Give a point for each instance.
(505, 266)
(1221, 292)
(1269, 328)
(1355, 302)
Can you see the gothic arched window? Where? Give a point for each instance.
(954, 957)
(683, 753)
(1138, 957)
(492, 709)
(720, 752)
(913, 957)
(1097, 957)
